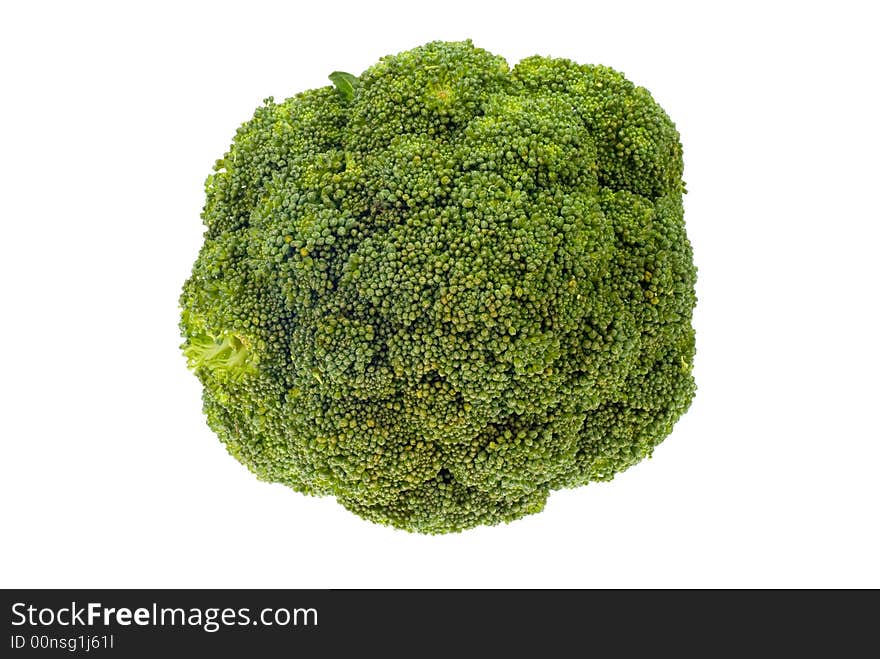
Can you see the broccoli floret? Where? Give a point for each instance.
(444, 288)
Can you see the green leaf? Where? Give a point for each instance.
(346, 84)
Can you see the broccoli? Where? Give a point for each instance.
(444, 288)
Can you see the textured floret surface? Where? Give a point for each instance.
(445, 288)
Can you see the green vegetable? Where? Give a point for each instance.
(444, 288)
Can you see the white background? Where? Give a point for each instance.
(112, 117)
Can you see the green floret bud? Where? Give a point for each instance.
(444, 288)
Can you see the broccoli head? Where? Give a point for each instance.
(444, 288)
